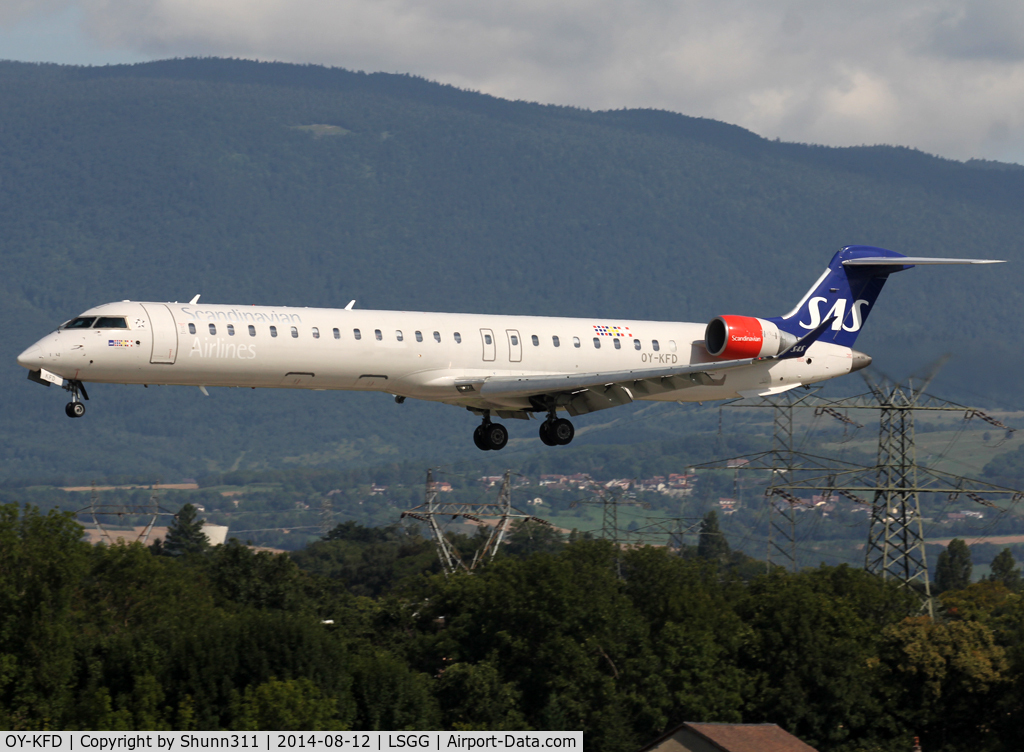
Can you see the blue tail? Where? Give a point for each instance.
(846, 292)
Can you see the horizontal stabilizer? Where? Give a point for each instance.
(912, 261)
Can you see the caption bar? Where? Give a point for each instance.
(173, 741)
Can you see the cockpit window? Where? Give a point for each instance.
(82, 322)
(110, 322)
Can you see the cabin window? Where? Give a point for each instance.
(655, 345)
(575, 341)
(357, 334)
(252, 330)
(618, 345)
(535, 339)
(555, 342)
(337, 333)
(671, 345)
(487, 339)
(437, 336)
(295, 332)
(515, 340)
(231, 330)
(378, 335)
(636, 344)
(273, 331)
(419, 336)
(213, 328)
(82, 323)
(458, 338)
(597, 343)
(111, 322)
(316, 333)
(191, 328)
(398, 335)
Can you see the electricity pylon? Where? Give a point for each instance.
(498, 516)
(896, 545)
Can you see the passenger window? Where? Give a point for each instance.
(536, 340)
(191, 328)
(636, 344)
(378, 335)
(487, 339)
(515, 340)
(398, 334)
(316, 333)
(337, 333)
(111, 322)
(295, 331)
(655, 345)
(597, 342)
(437, 336)
(554, 341)
(213, 328)
(231, 330)
(618, 345)
(357, 334)
(575, 341)
(273, 331)
(84, 323)
(419, 336)
(458, 338)
(671, 345)
(252, 330)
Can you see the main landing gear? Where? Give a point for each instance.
(75, 408)
(556, 431)
(490, 435)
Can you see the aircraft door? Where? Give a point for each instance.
(515, 346)
(487, 337)
(165, 334)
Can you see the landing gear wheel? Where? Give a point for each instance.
(74, 409)
(479, 439)
(495, 435)
(562, 431)
(545, 433)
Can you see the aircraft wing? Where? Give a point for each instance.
(582, 393)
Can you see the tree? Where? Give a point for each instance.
(1004, 570)
(185, 535)
(954, 568)
(712, 544)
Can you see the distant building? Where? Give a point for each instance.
(727, 737)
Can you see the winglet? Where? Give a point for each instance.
(194, 300)
(350, 306)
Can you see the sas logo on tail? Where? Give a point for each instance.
(839, 311)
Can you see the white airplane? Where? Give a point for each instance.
(504, 366)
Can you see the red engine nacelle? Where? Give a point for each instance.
(735, 337)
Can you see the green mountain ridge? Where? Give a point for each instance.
(162, 180)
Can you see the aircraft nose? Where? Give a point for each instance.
(860, 360)
(32, 358)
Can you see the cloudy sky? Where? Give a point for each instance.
(945, 76)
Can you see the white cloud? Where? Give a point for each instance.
(946, 76)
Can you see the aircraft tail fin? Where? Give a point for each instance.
(847, 292)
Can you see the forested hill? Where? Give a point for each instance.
(303, 185)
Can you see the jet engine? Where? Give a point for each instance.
(735, 337)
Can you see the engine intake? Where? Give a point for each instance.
(736, 337)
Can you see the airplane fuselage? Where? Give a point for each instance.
(429, 356)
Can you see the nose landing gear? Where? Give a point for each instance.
(556, 431)
(490, 435)
(75, 408)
